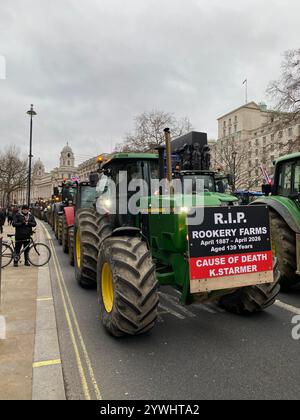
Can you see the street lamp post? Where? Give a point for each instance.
(32, 113)
(234, 155)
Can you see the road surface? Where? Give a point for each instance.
(195, 352)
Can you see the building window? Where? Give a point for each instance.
(280, 134)
(235, 128)
(290, 131)
(230, 121)
(69, 163)
(257, 142)
(235, 119)
(264, 141)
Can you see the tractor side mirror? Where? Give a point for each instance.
(266, 189)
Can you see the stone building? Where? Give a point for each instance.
(87, 167)
(43, 183)
(251, 138)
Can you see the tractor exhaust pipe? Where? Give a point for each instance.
(168, 153)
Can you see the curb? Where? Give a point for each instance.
(48, 382)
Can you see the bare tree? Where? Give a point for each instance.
(232, 157)
(286, 90)
(148, 131)
(286, 94)
(13, 172)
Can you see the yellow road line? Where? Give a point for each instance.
(70, 326)
(46, 363)
(44, 299)
(81, 340)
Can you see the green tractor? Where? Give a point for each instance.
(128, 254)
(283, 199)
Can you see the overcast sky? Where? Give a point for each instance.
(90, 66)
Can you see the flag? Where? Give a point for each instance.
(245, 81)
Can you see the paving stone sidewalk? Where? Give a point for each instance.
(22, 309)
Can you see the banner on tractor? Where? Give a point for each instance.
(232, 248)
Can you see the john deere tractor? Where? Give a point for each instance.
(128, 253)
(283, 199)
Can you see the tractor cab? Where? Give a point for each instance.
(208, 181)
(287, 177)
(283, 200)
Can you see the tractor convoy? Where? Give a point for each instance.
(147, 220)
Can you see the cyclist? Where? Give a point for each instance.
(23, 222)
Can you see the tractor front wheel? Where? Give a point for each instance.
(86, 242)
(252, 299)
(127, 286)
(71, 246)
(65, 235)
(284, 244)
(59, 228)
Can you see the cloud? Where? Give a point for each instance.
(90, 67)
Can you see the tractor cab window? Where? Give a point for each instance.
(87, 196)
(285, 179)
(289, 179)
(296, 186)
(199, 181)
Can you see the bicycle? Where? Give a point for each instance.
(38, 255)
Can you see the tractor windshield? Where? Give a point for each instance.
(88, 196)
(289, 179)
(198, 183)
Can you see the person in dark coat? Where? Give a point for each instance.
(10, 216)
(24, 222)
(2, 219)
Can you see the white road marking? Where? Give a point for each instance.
(174, 301)
(293, 309)
(171, 312)
(205, 308)
(215, 308)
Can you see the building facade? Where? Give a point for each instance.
(87, 167)
(43, 183)
(250, 138)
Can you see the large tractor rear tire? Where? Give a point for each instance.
(65, 235)
(127, 286)
(59, 228)
(86, 242)
(71, 246)
(55, 224)
(284, 242)
(252, 299)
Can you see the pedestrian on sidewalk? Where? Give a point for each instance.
(24, 222)
(2, 219)
(10, 216)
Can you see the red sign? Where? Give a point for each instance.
(230, 265)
